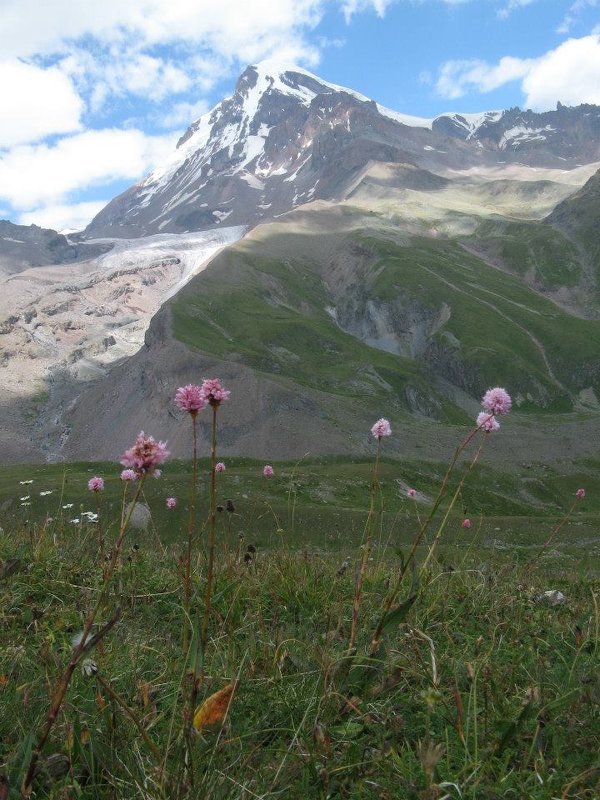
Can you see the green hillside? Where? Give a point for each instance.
(293, 305)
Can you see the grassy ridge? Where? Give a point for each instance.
(260, 306)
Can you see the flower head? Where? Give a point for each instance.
(220, 467)
(213, 392)
(381, 428)
(129, 475)
(190, 398)
(96, 484)
(145, 455)
(157, 473)
(466, 523)
(268, 471)
(487, 422)
(580, 494)
(496, 401)
(411, 492)
(171, 502)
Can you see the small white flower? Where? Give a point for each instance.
(75, 521)
(69, 505)
(25, 504)
(27, 497)
(24, 483)
(48, 491)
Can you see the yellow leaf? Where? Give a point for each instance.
(214, 708)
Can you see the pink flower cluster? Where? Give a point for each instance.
(193, 398)
(466, 523)
(129, 475)
(190, 398)
(411, 492)
(171, 502)
(220, 467)
(496, 401)
(213, 392)
(96, 484)
(487, 422)
(580, 494)
(268, 471)
(145, 455)
(381, 428)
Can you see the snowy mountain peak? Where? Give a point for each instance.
(286, 137)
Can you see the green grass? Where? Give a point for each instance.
(532, 250)
(500, 690)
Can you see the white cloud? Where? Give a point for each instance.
(457, 78)
(574, 10)
(63, 217)
(352, 7)
(36, 102)
(507, 10)
(569, 73)
(181, 115)
(39, 175)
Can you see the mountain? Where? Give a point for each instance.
(23, 246)
(285, 137)
(351, 263)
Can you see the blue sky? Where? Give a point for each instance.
(96, 94)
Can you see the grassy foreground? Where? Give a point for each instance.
(477, 691)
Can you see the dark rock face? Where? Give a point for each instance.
(23, 246)
(285, 138)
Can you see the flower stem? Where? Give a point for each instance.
(187, 587)
(366, 549)
(211, 534)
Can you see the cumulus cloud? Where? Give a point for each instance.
(569, 73)
(36, 103)
(63, 217)
(39, 175)
(457, 78)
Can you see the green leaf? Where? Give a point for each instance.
(398, 615)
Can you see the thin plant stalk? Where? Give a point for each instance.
(100, 531)
(77, 652)
(553, 533)
(389, 601)
(366, 549)
(211, 536)
(187, 583)
(132, 716)
(443, 523)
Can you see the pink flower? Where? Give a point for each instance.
(171, 502)
(466, 523)
(411, 493)
(145, 455)
(190, 398)
(96, 484)
(580, 494)
(213, 392)
(129, 475)
(268, 471)
(381, 428)
(220, 467)
(496, 401)
(487, 422)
